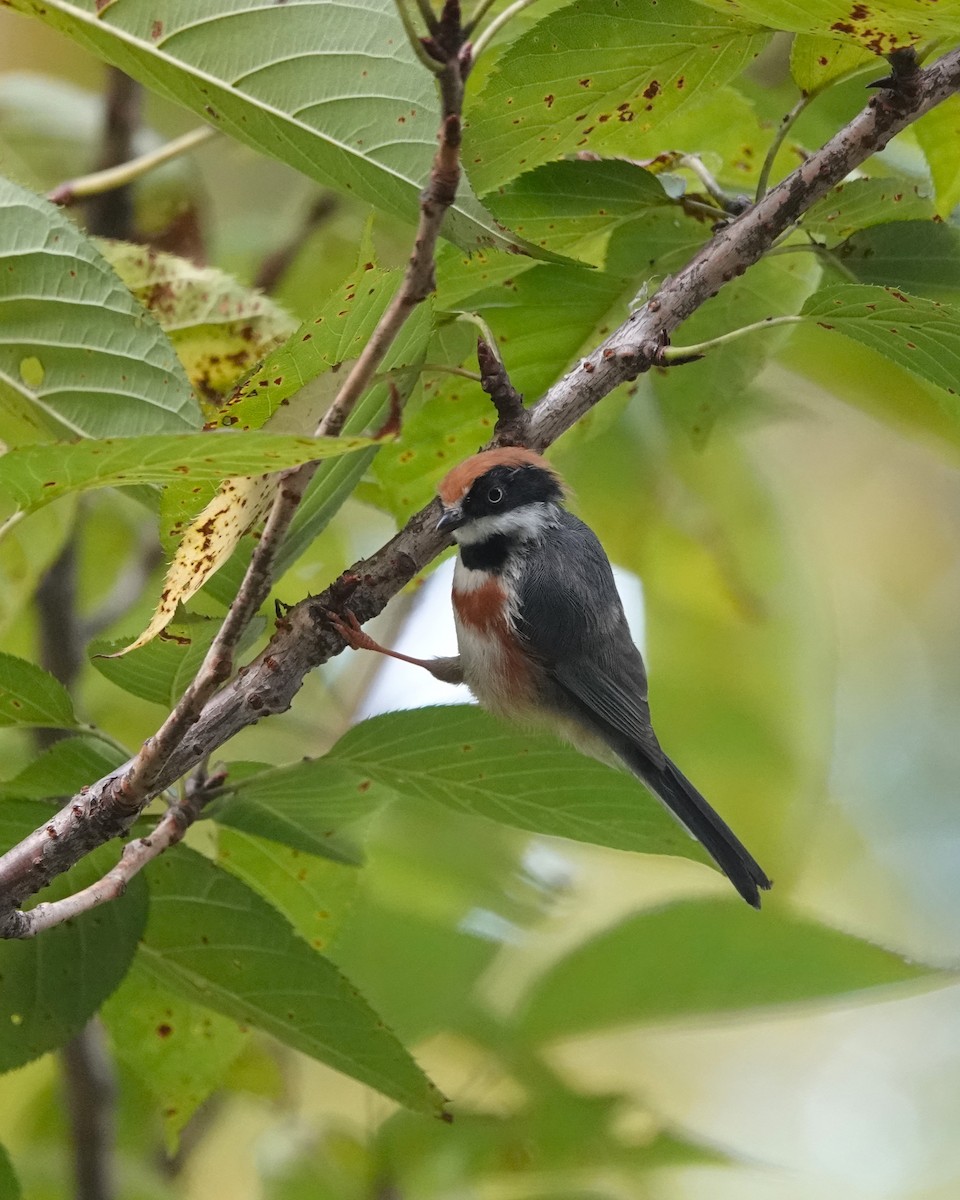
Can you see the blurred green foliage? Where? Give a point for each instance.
(469, 919)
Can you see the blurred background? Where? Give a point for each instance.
(794, 579)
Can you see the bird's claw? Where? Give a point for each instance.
(349, 629)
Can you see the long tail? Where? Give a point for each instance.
(671, 786)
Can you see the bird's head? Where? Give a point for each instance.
(510, 491)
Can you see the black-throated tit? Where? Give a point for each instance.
(543, 636)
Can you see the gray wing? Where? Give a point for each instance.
(571, 618)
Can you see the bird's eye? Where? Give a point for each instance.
(495, 495)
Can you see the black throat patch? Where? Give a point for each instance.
(490, 555)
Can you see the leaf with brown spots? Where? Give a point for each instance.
(215, 941)
(876, 25)
(914, 332)
(36, 474)
(219, 328)
(631, 55)
(179, 1051)
(29, 697)
(816, 61)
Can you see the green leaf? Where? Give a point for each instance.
(460, 757)
(61, 371)
(63, 769)
(919, 334)
(700, 959)
(9, 1184)
(859, 203)
(719, 387)
(161, 670)
(29, 696)
(316, 895)
(817, 60)
(35, 475)
(332, 89)
(53, 984)
(219, 328)
(180, 1052)
(922, 257)
(303, 806)
(323, 345)
(216, 942)
(879, 27)
(573, 207)
(938, 133)
(594, 74)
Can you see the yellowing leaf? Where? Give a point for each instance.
(207, 545)
(219, 328)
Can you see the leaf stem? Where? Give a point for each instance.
(484, 39)
(416, 43)
(114, 177)
(684, 353)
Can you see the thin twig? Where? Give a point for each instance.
(513, 420)
(304, 638)
(128, 172)
(136, 855)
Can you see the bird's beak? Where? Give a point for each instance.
(451, 519)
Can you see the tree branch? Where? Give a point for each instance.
(304, 639)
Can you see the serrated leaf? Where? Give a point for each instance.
(938, 133)
(922, 257)
(63, 769)
(332, 89)
(573, 207)
(465, 759)
(700, 959)
(303, 805)
(919, 334)
(160, 672)
(37, 474)
(816, 60)
(213, 940)
(219, 328)
(323, 344)
(29, 696)
(53, 984)
(180, 1051)
(316, 895)
(593, 74)
(61, 371)
(880, 26)
(859, 203)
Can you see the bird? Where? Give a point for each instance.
(543, 638)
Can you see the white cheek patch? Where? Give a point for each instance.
(527, 522)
